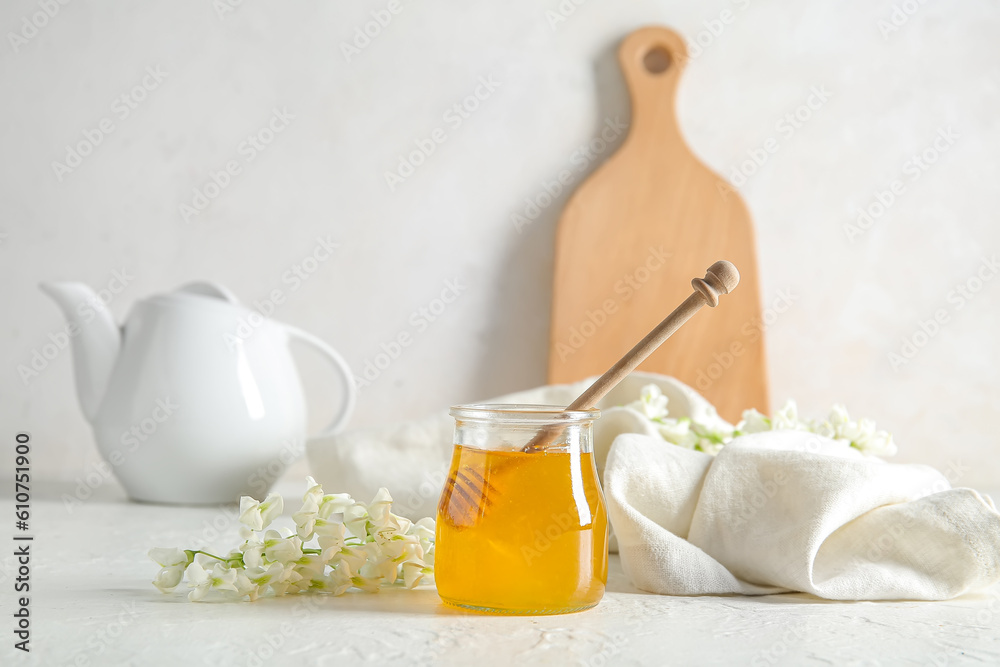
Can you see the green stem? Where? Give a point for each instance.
(205, 553)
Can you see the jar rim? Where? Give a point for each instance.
(522, 413)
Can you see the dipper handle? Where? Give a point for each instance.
(720, 278)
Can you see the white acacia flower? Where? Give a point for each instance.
(314, 491)
(838, 417)
(753, 422)
(678, 432)
(356, 520)
(271, 548)
(402, 548)
(168, 578)
(305, 520)
(863, 436)
(834, 425)
(879, 444)
(331, 536)
(340, 579)
(368, 584)
(401, 524)
(353, 558)
(253, 551)
(169, 557)
(379, 565)
(255, 581)
(244, 586)
(306, 576)
(787, 418)
(378, 509)
(334, 503)
(288, 584)
(309, 566)
(859, 431)
(389, 530)
(279, 549)
(258, 516)
(201, 581)
(173, 563)
(414, 572)
(652, 403)
(424, 529)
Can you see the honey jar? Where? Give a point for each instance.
(522, 530)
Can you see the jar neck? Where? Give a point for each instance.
(512, 427)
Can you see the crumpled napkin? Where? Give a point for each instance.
(792, 511)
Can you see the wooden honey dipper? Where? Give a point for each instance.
(467, 494)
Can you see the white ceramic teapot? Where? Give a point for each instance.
(196, 399)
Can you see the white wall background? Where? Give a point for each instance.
(323, 175)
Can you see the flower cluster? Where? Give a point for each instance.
(358, 545)
(862, 434)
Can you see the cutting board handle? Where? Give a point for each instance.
(653, 59)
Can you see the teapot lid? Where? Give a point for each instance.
(209, 289)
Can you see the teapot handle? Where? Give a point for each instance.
(347, 377)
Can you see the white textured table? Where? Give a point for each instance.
(92, 604)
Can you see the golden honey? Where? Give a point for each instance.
(534, 539)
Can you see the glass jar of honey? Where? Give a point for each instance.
(522, 528)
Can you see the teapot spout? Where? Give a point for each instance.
(96, 340)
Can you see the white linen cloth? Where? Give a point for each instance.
(792, 511)
(773, 512)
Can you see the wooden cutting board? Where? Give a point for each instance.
(637, 231)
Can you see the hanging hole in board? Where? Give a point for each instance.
(656, 60)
